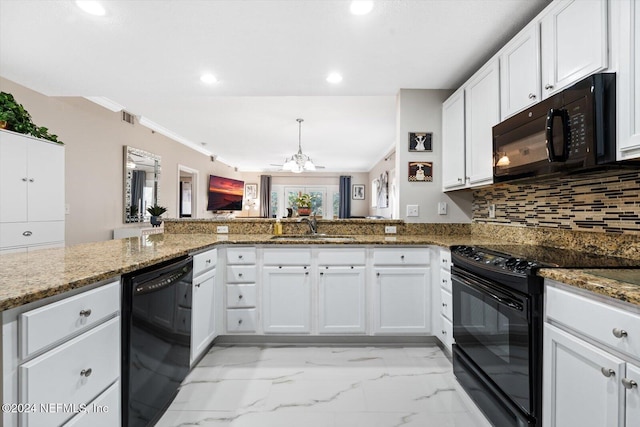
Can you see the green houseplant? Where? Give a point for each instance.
(303, 202)
(13, 116)
(156, 211)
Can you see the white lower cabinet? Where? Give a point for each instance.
(102, 412)
(401, 300)
(203, 323)
(581, 382)
(590, 365)
(341, 300)
(286, 295)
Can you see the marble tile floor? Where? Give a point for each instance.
(291, 386)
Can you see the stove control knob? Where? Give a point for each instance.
(521, 265)
(511, 262)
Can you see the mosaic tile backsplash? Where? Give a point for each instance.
(605, 202)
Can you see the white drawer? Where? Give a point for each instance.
(445, 280)
(204, 261)
(104, 411)
(241, 320)
(31, 233)
(445, 259)
(346, 256)
(446, 332)
(446, 305)
(243, 255)
(54, 322)
(595, 319)
(241, 296)
(62, 375)
(287, 256)
(241, 274)
(401, 256)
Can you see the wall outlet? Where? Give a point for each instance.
(442, 208)
(390, 229)
(413, 210)
(222, 229)
(492, 211)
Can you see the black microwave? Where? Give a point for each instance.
(571, 131)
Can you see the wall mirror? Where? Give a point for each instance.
(141, 183)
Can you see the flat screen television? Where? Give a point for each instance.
(225, 194)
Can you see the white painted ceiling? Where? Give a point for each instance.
(271, 58)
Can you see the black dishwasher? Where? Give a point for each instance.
(156, 339)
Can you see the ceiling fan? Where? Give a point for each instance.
(299, 162)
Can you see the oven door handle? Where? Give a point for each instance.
(486, 290)
(551, 150)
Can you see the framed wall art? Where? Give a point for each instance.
(420, 141)
(251, 191)
(357, 192)
(420, 171)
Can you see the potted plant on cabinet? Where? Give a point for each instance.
(13, 116)
(303, 203)
(156, 211)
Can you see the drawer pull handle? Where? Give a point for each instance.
(608, 372)
(306, 273)
(444, 304)
(86, 373)
(402, 257)
(322, 273)
(85, 313)
(198, 285)
(239, 256)
(208, 261)
(629, 384)
(240, 296)
(239, 274)
(239, 321)
(619, 333)
(444, 280)
(27, 233)
(444, 332)
(548, 86)
(378, 274)
(532, 96)
(444, 261)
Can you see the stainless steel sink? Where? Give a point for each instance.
(314, 237)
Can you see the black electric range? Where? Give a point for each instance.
(497, 323)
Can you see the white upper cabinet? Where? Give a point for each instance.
(626, 44)
(453, 175)
(520, 72)
(482, 112)
(468, 117)
(573, 41)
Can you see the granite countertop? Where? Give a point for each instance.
(28, 277)
(619, 284)
(35, 275)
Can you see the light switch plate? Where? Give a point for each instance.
(442, 208)
(413, 210)
(222, 229)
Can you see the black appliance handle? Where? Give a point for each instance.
(164, 281)
(500, 297)
(551, 151)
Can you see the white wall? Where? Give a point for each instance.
(386, 164)
(420, 110)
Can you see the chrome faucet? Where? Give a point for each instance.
(312, 222)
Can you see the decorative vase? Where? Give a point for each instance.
(304, 211)
(4, 124)
(156, 221)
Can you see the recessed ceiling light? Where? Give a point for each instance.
(361, 7)
(208, 78)
(91, 7)
(334, 78)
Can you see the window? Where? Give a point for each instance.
(326, 199)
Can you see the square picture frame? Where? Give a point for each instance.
(420, 142)
(357, 192)
(420, 171)
(251, 191)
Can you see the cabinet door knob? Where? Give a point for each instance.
(85, 313)
(444, 280)
(402, 257)
(378, 274)
(629, 384)
(239, 321)
(27, 233)
(619, 333)
(306, 273)
(532, 96)
(239, 274)
(86, 373)
(444, 332)
(197, 285)
(322, 273)
(208, 261)
(548, 86)
(444, 304)
(240, 296)
(31, 180)
(608, 372)
(24, 179)
(459, 179)
(239, 256)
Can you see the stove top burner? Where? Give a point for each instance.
(526, 259)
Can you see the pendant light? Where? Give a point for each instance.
(299, 162)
